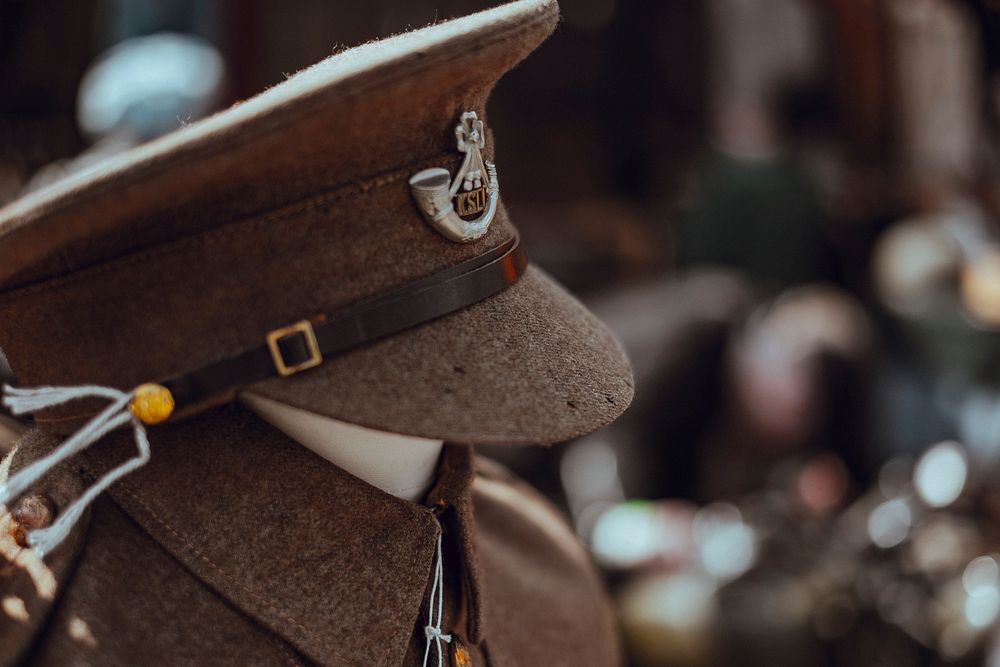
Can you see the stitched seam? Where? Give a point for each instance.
(213, 236)
(277, 612)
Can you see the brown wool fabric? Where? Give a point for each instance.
(353, 119)
(236, 545)
(296, 204)
(176, 617)
(529, 365)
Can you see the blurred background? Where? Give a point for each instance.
(788, 211)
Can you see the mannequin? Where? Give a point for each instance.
(401, 465)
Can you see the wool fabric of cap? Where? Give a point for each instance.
(296, 203)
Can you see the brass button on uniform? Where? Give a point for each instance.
(31, 513)
(460, 656)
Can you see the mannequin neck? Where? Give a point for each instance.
(401, 465)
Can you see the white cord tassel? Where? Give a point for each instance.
(117, 414)
(22, 401)
(433, 628)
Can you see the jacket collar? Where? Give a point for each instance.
(337, 567)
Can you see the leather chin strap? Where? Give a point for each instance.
(306, 344)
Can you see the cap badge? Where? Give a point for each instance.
(460, 209)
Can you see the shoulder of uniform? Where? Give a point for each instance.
(491, 469)
(29, 585)
(498, 486)
(494, 471)
(493, 475)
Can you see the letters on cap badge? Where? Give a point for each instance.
(460, 209)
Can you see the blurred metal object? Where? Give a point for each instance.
(640, 534)
(725, 543)
(914, 262)
(889, 523)
(779, 366)
(139, 89)
(938, 276)
(908, 571)
(146, 86)
(941, 474)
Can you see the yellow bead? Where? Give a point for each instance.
(151, 403)
(460, 656)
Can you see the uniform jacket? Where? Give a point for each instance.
(237, 546)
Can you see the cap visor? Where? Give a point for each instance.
(529, 365)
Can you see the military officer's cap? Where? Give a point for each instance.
(338, 243)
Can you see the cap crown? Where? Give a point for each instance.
(292, 203)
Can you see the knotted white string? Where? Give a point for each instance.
(433, 628)
(117, 414)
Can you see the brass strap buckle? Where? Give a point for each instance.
(306, 329)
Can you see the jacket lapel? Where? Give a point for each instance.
(332, 564)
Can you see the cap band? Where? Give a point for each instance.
(308, 343)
